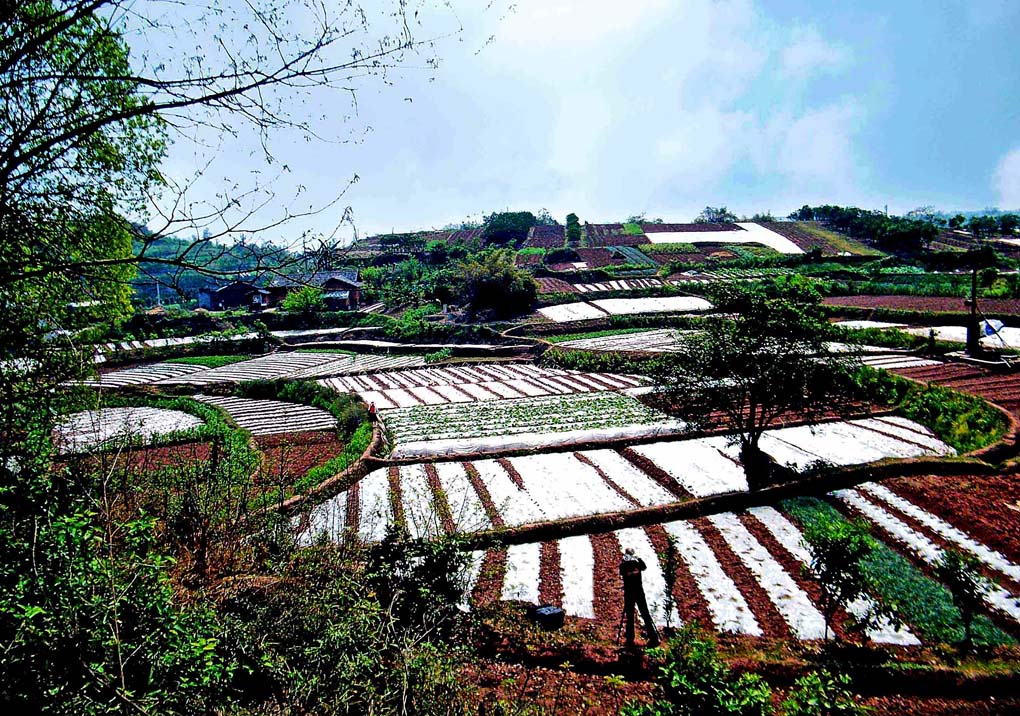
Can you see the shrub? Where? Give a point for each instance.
(822, 694)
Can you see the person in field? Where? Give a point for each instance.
(631, 567)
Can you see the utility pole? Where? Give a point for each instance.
(973, 335)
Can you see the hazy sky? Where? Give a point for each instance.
(610, 108)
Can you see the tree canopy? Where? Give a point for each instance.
(771, 359)
(715, 215)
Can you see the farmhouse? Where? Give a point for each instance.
(236, 294)
(340, 289)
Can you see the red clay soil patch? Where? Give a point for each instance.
(934, 304)
(483, 495)
(608, 596)
(145, 459)
(353, 513)
(554, 285)
(289, 456)
(439, 499)
(489, 586)
(515, 476)
(396, 495)
(524, 689)
(550, 582)
(656, 473)
(769, 619)
(688, 228)
(690, 604)
(914, 706)
(986, 507)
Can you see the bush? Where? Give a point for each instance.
(963, 421)
(822, 694)
(693, 679)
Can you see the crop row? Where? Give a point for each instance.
(92, 429)
(656, 341)
(469, 383)
(566, 312)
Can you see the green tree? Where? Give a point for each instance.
(957, 222)
(508, 228)
(839, 550)
(573, 230)
(715, 215)
(307, 299)
(491, 282)
(967, 586)
(773, 358)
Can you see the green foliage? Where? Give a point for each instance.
(962, 576)
(573, 230)
(439, 356)
(668, 248)
(965, 422)
(772, 358)
(490, 282)
(715, 215)
(316, 639)
(508, 228)
(822, 694)
(838, 549)
(901, 587)
(693, 680)
(96, 630)
(632, 228)
(214, 361)
(307, 299)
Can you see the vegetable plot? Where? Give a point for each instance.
(461, 428)
(268, 417)
(92, 429)
(469, 383)
(629, 284)
(293, 364)
(657, 341)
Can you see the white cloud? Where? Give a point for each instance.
(808, 54)
(816, 148)
(1006, 180)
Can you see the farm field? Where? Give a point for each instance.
(1006, 337)
(284, 364)
(472, 382)
(97, 429)
(740, 572)
(464, 428)
(654, 341)
(747, 233)
(553, 486)
(626, 284)
(566, 312)
(996, 308)
(268, 417)
(1000, 388)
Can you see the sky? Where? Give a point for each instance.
(609, 109)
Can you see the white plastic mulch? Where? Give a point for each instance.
(420, 514)
(514, 505)
(326, 521)
(476, 382)
(566, 487)
(703, 467)
(466, 508)
(1006, 337)
(751, 234)
(566, 312)
(144, 374)
(991, 558)
(631, 480)
(523, 562)
(270, 417)
(805, 621)
(577, 575)
(787, 534)
(374, 511)
(90, 429)
(857, 325)
(728, 608)
(921, 545)
(657, 341)
(652, 304)
(617, 285)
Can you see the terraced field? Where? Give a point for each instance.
(566, 312)
(270, 417)
(98, 429)
(285, 364)
(469, 383)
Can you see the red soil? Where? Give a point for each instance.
(550, 584)
(554, 285)
(289, 456)
(934, 304)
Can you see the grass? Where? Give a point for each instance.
(838, 241)
(208, 361)
(920, 601)
(632, 229)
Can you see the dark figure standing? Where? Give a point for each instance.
(631, 567)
